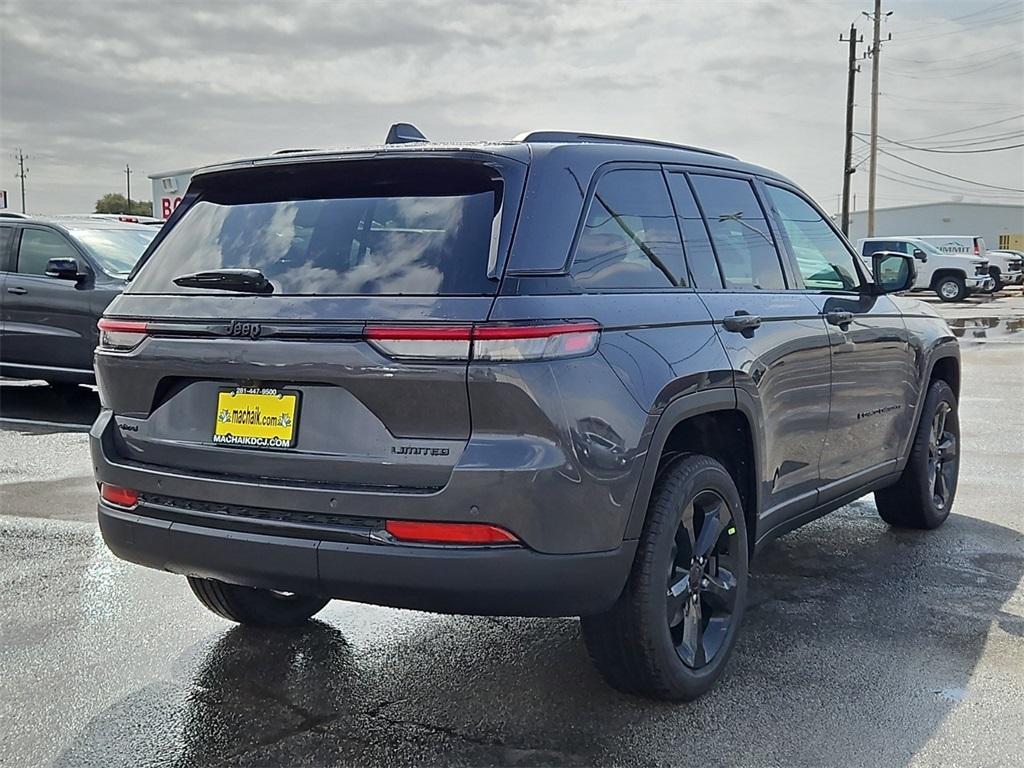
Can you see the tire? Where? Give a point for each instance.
(951, 288)
(255, 607)
(640, 643)
(998, 277)
(917, 500)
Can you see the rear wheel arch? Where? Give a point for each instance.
(947, 368)
(944, 365)
(719, 423)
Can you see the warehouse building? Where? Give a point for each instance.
(990, 220)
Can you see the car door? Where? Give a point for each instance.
(872, 366)
(775, 338)
(48, 321)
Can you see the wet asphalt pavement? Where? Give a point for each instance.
(862, 646)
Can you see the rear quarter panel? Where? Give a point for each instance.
(595, 415)
(930, 340)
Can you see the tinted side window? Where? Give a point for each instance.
(700, 258)
(874, 246)
(824, 261)
(38, 246)
(6, 256)
(743, 241)
(630, 238)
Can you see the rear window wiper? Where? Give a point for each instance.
(244, 280)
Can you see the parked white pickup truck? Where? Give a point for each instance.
(1004, 268)
(953, 276)
(1010, 265)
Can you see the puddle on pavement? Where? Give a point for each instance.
(986, 328)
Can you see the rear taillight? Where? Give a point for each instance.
(121, 335)
(489, 342)
(422, 342)
(120, 497)
(466, 534)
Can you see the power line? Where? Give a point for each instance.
(972, 128)
(932, 187)
(980, 141)
(936, 185)
(948, 102)
(989, 9)
(960, 151)
(949, 151)
(947, 175)
(961, 28)
(936, 72)
(946, 64)
(933, 62)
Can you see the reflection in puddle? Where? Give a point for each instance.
(986, 328)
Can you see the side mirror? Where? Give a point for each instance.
(920, 255)
(63, 269)
(893, 272)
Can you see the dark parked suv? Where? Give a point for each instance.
(562, 375)
(56, 278)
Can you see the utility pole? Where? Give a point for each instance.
(21, 174)
(875, 53)
(854, 68)
(128, 183)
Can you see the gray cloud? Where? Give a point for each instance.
(87, 87)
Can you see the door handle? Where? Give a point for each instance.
(839, 318)
(17, 290)
(741, 322)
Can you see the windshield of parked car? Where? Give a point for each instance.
(116, 250)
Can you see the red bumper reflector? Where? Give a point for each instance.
(448, 533)
(121, 497)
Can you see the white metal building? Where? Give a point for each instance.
(986, 219)
(168, 187)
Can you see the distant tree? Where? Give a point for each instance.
(115, 202)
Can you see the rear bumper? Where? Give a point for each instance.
(512, 581)
(319, 540)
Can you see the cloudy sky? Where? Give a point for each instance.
(86, 87)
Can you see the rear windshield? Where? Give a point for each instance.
(380, 227)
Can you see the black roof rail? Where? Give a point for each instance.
(292, 151)
(571, 137)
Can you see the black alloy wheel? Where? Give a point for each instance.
(942, 464)
(923, 495)
(701, 584)
(672, 629)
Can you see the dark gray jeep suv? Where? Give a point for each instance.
(561, 375)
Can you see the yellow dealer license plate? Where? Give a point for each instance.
(256, 417)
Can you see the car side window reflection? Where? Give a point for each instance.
(743, 241)
(824, 261)
(6, 240)
(37, 247)
(630, 238)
